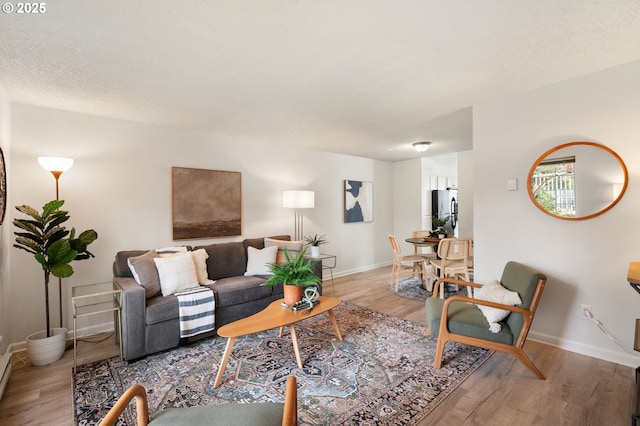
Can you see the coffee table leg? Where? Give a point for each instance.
(296, 349)
(225, 359)
(332, 317)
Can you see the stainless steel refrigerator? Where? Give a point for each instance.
(444, 205)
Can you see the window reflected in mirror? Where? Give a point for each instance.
(554, 187)
(577, 180)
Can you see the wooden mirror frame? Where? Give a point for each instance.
(559, 147)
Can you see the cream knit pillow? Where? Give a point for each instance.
(495, 292)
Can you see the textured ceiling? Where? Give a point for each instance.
(360, 77)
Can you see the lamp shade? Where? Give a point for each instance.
(298, 199)
(55, 164)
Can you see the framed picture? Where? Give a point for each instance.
(358, 201)
(205, 203)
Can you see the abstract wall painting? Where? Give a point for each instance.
(206, 203)
(358, 201)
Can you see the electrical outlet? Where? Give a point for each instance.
(585, 311)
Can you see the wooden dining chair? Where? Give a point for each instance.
(417, 249)
(413, 264)
(453, 255)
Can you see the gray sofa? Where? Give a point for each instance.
(151, 324)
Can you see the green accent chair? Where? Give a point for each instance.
(458, 319)
(266, 413)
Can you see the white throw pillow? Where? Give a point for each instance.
(200, 257)
(495, 292)
(292, 247)
(176, 273)
(258, 260)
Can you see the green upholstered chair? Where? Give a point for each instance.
(267, 413)
(454, 319)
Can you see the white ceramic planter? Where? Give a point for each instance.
(315, 251)
(44, 350)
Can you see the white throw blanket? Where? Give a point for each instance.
(197, 309)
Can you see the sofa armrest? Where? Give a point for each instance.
(134, 305)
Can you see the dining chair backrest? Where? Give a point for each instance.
(394, 245)
(421, 233)
(454, 249)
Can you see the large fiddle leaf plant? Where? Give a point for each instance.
(52, 245)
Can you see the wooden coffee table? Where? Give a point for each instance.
(274, 316)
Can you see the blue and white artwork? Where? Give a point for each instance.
(358, 201)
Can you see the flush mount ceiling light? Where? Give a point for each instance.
(421, 146)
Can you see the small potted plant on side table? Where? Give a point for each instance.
(294, 274)
(315, 242)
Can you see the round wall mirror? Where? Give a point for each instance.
(577, 180)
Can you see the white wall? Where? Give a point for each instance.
(406, 201)
(120, 185)
(465, 194)
(586, 261)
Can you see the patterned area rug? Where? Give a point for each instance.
(410, 287)
(381, 373)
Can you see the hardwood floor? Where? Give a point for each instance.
(579, 390)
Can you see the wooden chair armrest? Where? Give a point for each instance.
(517, 309)
(136, 391)
(290, 414)
(436, 285)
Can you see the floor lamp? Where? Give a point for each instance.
(57, 165)
(298, 200)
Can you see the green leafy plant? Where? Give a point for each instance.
(316, 240)
(296, 271)
(51, 244)
(438, 224)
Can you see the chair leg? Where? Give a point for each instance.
(393, 275)
(397, 276)
(437, 360)
(429, 279)
(522, 356)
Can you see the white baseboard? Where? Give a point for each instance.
(618, 357)
(356, 270)
(106, 327)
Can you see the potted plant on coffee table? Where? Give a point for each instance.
(315, 242)
(294, 274)
(53, 247)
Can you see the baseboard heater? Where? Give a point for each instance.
(5, 368)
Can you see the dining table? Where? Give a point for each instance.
(419, 242)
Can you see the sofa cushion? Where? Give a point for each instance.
(160, 309)
(176, 273)
(200, 257)
(120, 265)
(259, 261)
(259, 242)
(293, 247)
(225, 259)
(236, 290)
(144, 271)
